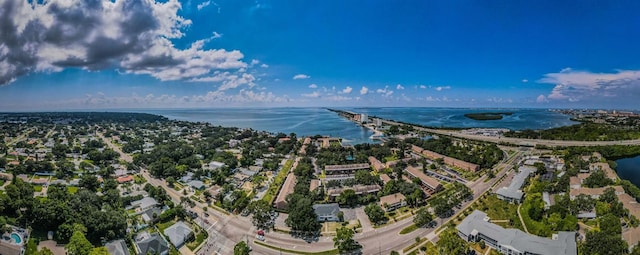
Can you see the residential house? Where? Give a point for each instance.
(124, 179)
(144, 203)
(196, 184)
(476, 227)
(393, 201)
(430, 184)
(146, 243)
(178, 233)
(117, 247)
(327, 212)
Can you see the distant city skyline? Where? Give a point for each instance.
(78, 54)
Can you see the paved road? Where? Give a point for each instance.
(520, 141)
(227, 230)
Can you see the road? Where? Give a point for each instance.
(519, 141)
(227, 230)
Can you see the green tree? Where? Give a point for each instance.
(610, 224)
(45, 251)
(423, 217)
(78, 244)
(302, 217)
(261, 211)
(348, 198)
(451, 244)
(99, 251)
(170, 181)
(344, 241)
(241, 248)
(599, 242)
(375, 213)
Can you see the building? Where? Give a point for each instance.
(345, 169)
(124, 179)
(117, 247)
(594, 192)
(13, 242)
(393, 201)
(327, 212)
(447, 160)
(145, 203)
(385, 178)
(359, 189)
(476, 227)
(199, 185)
(610, 173)
(178, 233)
(376, 164)
(287, 188)
(430, 184)
(146, 243)
(512, 193)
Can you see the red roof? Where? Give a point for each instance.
(124, 179)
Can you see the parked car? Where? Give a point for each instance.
(260, 237)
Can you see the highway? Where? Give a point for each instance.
(518, 141)
(226, 230)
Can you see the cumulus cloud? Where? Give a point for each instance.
(203, 4)
(423, 86)
(216, 35)
(313, 86)
(399, 87)
(385, 92)
(314, 94)
(264, 66)
(573, 85)
(541, 99)
(525, 80)
(346, 90)
(301, 76)
(441, 88)
(364, 90)
(132, 36)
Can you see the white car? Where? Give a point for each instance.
(260, 237)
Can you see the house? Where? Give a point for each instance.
(512, 193)
(327, 212)
(610, 173)
(287, 188)
(145, 203)
(178, 233)
(376, 164)
(359, 189)
(199, 185)
(476, 227)
(594, 192)
(393, 201)
(151, 214)
(146, 243)
(385, 178)
(117, 247)
(13, 246)
(124, 179)
(345, 169)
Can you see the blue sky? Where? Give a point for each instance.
(78, 54)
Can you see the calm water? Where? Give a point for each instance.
(313, 121)
(629, 169)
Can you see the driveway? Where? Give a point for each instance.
(364, 219)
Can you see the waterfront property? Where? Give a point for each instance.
(512, 193)
(476, 227)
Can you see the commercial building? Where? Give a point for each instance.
(476, 227)
(327, 212)
(512, 193)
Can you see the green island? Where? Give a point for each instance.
(487, 115)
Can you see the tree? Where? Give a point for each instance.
(170, 181)
(599, 242)
(344, 241)
(89, 182)
(610, 224)
(348, 198)
(302, 217)
(261, 211)
(99, 251)
(45, 251)
(441, 206)
(423, 217)
(241, 248)
(78, 244)
(375, 213)
(451, 244)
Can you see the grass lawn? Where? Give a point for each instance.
(499, 210)
(408, 229)
(1, 182)
(163, 226)
(534, 227)
(329, 252)
(139, 179)
(37, 188)
(200, 237)
(272, 192)
(413, 245)
(72, 189)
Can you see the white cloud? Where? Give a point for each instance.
(264, 66)
(313, 86)
(525, 80)
(542, 99)
(314, 94)
(131, 36)
(364, 90)
(203, 4)
(346, 90)
(339, 98)
(423, 86)
(301, 76)
(441, 88)
(399, 87)
(216, 35)
(385, 92)
(573, 85)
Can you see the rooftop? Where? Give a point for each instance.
(513, 191)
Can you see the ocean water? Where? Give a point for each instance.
(314, 121)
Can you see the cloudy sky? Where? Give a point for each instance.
(106, 54)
